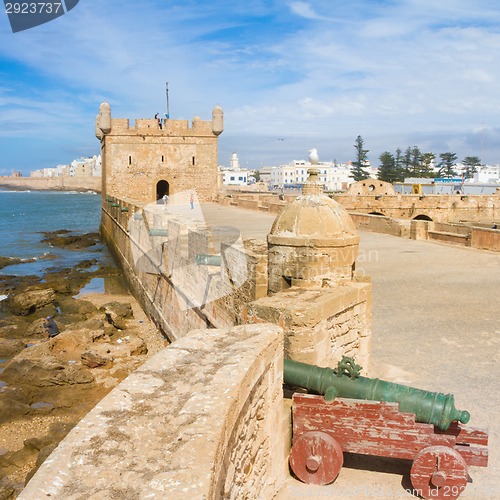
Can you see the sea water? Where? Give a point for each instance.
(24, 215)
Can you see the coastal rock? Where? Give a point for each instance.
(10, 347)
(87, 264)
(65, 239)
(11, 261)
(35, 328)
(117, 313)
(41, 369)
(31, 299)
(46, 444)
(68, 346)
(9, 284)
(60, 285)
(92, 359)
(13, 328)
(7, 489)
(70, 305)
(93, 324)
(10, 406)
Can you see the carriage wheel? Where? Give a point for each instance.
(439, 472)
(316, 458)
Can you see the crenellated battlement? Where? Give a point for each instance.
(154, 159)
(197, 127)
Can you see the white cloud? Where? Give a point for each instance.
(392, 72)
(303, 9)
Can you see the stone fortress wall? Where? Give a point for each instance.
(373, 205)
(63, 183)
(148, 160)
(205, 418)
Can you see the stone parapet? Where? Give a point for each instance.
(320, 325)
(157, 252)
(486, 239)
(204, 418)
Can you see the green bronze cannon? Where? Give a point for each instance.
(345, 381)
(202, 259)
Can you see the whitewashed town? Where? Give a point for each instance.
(335, 177)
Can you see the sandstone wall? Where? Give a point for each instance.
(136, 158)
(440, 208)
(381, 224)
(158, 256)
(53, 183)
(158, 253)
(457, 234)
(488, 239)
(204, 418)
(320, 325)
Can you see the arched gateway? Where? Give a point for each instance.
(162, 189)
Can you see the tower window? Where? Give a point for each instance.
(193, 161)
(130, 160)
(162, 158)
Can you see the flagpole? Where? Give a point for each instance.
(168, 103)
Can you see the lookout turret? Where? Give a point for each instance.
(313, 242)
(103, 120)
(154, 158)
(217, 120)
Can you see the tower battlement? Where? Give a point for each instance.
(148, 160)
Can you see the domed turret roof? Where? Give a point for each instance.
(313, 219)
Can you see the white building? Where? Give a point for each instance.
(335, 177)
(234, 175)
(79, 167)
(488, 174)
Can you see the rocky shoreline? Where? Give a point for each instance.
(47, 386)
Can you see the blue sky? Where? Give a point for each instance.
(315, 73)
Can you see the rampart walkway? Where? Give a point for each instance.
(436, 325)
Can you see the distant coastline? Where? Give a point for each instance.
(63, 183)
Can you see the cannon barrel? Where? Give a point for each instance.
(344, 381)
(202, 259)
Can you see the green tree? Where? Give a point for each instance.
(415, 162)
(406, 162)
(358, 173)
(389, 168)
(398, 160)
(446, 164)
(471, 163)
(427, 169)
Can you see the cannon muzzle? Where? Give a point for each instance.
(345, 381)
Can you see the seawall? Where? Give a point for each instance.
(89, 183)
(156, 254)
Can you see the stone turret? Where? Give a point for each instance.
(149, 160)
(313, 242)
(217, 120)
(103, 120)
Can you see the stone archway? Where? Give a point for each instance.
(162, 189)
(422, 217)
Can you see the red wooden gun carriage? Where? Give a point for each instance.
(324, 428)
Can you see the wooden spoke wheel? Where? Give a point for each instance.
(439, 472)
(316, 458)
